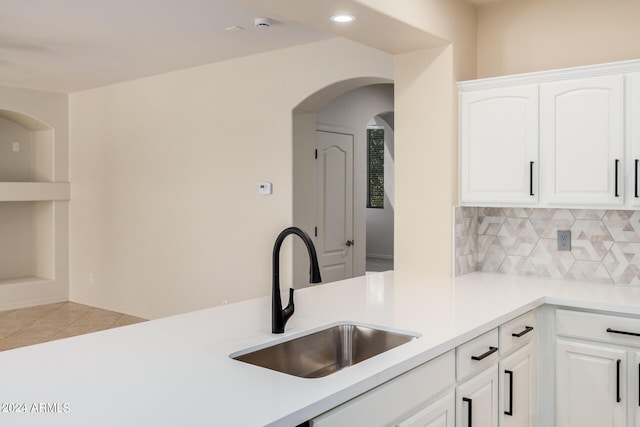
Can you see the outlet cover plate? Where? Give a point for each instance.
(564, 240)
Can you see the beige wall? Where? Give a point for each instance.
(15, 166)
(517, 36)
(454, 21)
(165, 213)
(165, 168)
(426, 136)
(426, 157)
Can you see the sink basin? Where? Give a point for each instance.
(324, 352)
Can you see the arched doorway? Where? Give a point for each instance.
(341, 115)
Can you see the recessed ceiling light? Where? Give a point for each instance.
(342, 18)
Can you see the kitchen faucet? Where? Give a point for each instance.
(279, 316)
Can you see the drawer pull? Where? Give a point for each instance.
(614, 331)
(487, 354)
(618, 398)
(527, 329)
(510, 411)
(469, 411)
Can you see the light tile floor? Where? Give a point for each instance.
(33, 325)
(379, 264)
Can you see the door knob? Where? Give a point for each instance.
(349, 243)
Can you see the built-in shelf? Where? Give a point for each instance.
(28, 291)
(34, 195)
(23, 280)
(34, 191)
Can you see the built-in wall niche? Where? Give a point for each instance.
(34, 198)
(26, 241)
(26, 149)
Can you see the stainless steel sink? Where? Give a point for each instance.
(321, 353)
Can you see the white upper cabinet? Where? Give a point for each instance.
(633, 138)
(499, 145)
(562, 138)
(582, 141)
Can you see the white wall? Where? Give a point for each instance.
(380, 220)
(165, 210)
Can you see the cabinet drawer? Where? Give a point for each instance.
(598, 327)
(395, 399)
(477, 354)
(518, 332)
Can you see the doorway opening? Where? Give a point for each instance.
(331, 184)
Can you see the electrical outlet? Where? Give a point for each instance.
(564, 240)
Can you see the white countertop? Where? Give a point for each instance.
(177, 370)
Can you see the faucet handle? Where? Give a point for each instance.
(287, 312)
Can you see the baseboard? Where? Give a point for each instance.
(380, 256)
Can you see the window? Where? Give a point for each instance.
(375, 168)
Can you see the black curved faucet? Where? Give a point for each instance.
(279, 316)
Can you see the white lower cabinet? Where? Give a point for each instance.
(497, 383)
(518, 388)
(438, 414)
(477, 400)
(420, 397)
(634, 387)
(597, 370)
(465, 387)
(590, 385)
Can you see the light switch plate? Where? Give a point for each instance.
(16, 147)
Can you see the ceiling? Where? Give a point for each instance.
(72, 45)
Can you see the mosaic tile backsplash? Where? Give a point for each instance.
(605, 244)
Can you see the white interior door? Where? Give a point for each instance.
(334, 178)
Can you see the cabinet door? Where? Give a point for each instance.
(499, 145)
(396, 399)
(590, 385)
(517, 394)
(477, 400)
(438, 414)
(581, 141)
(633, 137)
(634, 387)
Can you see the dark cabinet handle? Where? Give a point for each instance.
(614, 331)
(531, 178)
(510, 411)
(616, 181)
(618, 398)
(635, 180)
(469, 411)
(638, 384)
(488, 353)
(527, 329)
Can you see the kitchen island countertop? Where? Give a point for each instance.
(177, 370)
